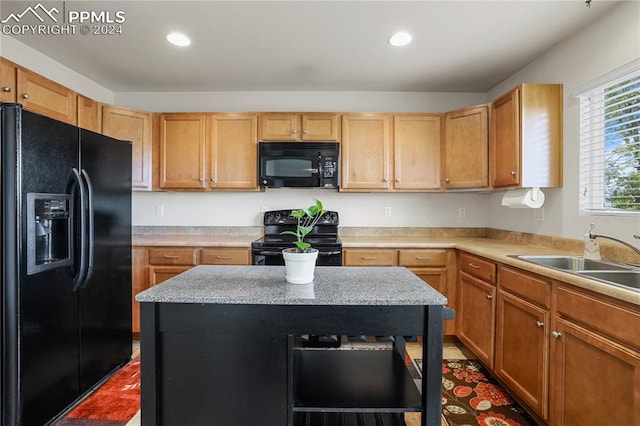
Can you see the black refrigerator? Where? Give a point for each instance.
(66, 263)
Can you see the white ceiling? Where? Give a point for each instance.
(459, 46)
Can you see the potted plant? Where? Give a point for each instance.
(300, 261)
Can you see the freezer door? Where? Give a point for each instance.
(48, 326)
(105, 297)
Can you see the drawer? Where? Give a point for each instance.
(478, 267)
(369, 257)
(224, 256)
(172, 256)
(422, 257)
(529, 287)
(599, 314)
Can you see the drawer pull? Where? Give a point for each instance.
(6, 89)
(423, 258)
(368, 258)
(25, 96)
(556, 335)
(223, 257)
(474, 266)
(171, 256)
(539, 324)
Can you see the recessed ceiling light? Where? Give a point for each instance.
(401, 38)
(178, 39)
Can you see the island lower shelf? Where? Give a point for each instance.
(357, 381)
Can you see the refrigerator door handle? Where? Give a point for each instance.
(75, 184)
(90, 228)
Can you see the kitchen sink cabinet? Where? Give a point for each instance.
(416, 152)
(466, 148)
(477, 306)
(232, 152)
(299, 127)
(526, 137)
(522, 336)
(88, 114)
(135, 126)
(182, 151)
(437, 268)
(8, 81)
(41, 95)
(596, 360)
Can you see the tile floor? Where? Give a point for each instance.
(451, 350)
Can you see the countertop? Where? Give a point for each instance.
(497, 250)
(266, 285)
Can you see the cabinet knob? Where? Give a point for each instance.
(555, 335)
(6, 89)
(447, 180)
(305, 132)
(385, 180)
(489, 296)
(397, 180)
(513, 173)
(213, 180)
(539, 324)
(25, 96)
(293, 132)
(201, 180)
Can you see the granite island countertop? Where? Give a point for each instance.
(266, 285)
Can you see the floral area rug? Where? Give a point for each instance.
(470, 396)
(112, 404)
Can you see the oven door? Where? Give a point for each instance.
(273, 257)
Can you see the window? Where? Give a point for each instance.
(610, 143)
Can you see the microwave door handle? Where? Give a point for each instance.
(320, 171)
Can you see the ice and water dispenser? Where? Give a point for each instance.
(49, 232)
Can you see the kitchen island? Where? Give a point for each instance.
(220, 345)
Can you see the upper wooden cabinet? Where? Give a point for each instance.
(299, 127)
(39, 94)
(365, 152)
(233, 151)
(8, 81)
(182, 151)
(466, 148)
(416, 149)
(88, 114)
(135, 126)
(526, 137)
(202, 151)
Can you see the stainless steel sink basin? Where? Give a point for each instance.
(573, 263)
(629, 279)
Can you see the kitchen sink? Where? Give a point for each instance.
(573, 263)
(630, 279)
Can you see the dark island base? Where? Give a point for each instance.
(349, 419)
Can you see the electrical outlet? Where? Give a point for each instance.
(387, 211)
(159, 210)
(462, 212)
(538, 214)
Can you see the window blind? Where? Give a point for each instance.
(610, 146)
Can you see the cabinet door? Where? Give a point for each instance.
(233, 152)
(182, 151)
(522, 348)
(320, 127)
(416, 147)
(505, 140)
(139, 282)
(476, 317)
(39, 94)
(438, 278)
(466, 146)
(8, 81)
(594, 380)
(366, 144)
(158, 274)
(88, 114)
(279, 127)
(135, 126)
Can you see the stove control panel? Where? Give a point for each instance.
(284, 217)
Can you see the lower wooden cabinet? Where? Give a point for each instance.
(369, 257)
(225, 256)
(139, 282)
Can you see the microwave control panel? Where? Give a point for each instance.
(328, 168)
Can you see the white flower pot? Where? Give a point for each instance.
(299, 266)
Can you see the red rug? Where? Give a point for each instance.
(470, 396)
(112, 404)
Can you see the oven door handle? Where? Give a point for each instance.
(267, 253)
(329, 253)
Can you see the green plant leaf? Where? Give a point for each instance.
(302, 245)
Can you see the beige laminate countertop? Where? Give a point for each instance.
(493, 249)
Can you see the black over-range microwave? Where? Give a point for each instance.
(298, 164)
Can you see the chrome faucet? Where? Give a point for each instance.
(593, 236)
